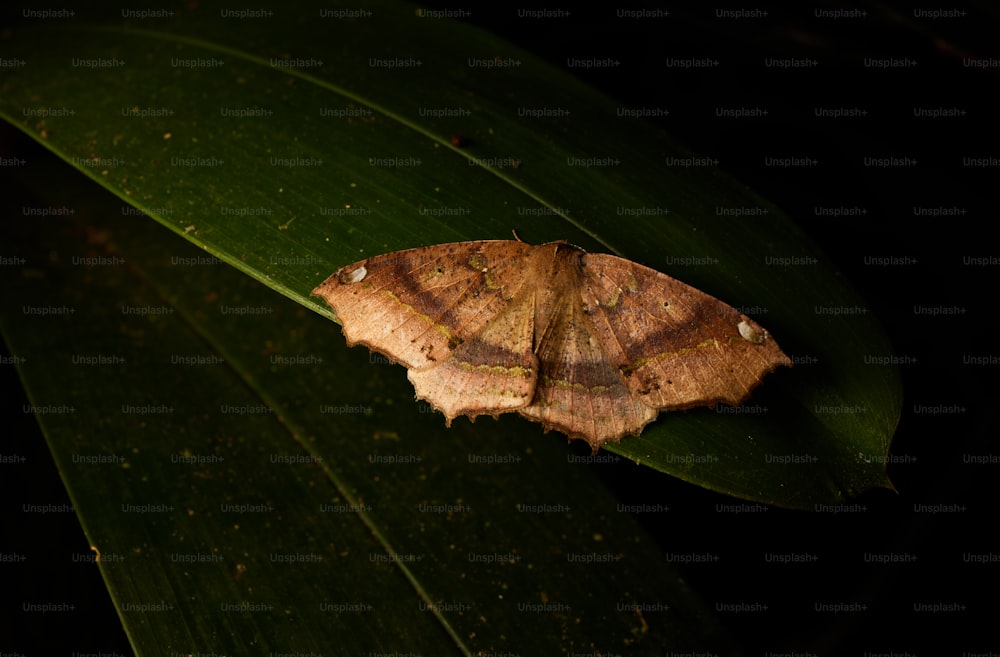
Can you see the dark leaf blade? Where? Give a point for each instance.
(262, 490)
(290, 227)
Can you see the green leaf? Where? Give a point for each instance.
(248, 493)
(287, 173)
(374, 170)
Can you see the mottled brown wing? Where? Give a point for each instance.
(579, 391)
(460, 316)
(592, 345)
(675, 346)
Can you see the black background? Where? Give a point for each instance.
(929, 452)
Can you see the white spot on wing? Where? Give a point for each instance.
(354, 276)
(749, 333)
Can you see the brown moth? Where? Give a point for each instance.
(591, 345)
